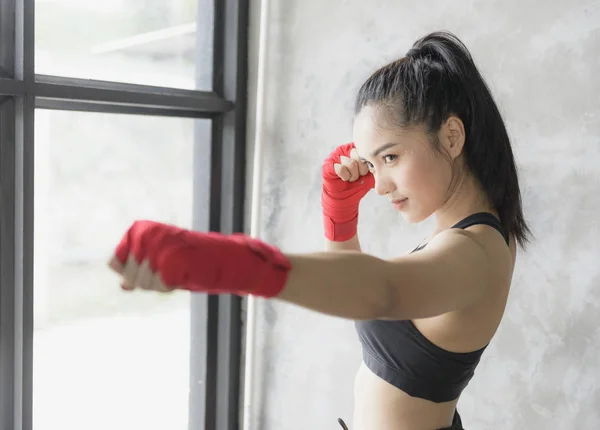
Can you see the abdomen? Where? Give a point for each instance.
(379, 405)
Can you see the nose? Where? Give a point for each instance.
(383, 184)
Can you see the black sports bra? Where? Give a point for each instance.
(400, 354)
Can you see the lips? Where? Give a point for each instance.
(399, 204)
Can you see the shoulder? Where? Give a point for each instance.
(455, 270)
(474, 246)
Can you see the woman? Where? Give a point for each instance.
(429, 137)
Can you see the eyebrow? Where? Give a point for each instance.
(381, 149)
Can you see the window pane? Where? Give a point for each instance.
(103, 358)
(150, 42)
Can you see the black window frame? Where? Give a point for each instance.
(220, 160)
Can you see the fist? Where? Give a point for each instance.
(136, 275)
(346, 180)
(351, 168)
(343, 171)
(140, 253)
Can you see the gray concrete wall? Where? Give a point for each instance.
(542, 370)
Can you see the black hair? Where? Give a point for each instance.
(436, 79)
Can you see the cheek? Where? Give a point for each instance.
(427, 178)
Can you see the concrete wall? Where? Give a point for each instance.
(542, 62)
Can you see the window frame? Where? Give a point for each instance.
(216, 332)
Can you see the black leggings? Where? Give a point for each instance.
(456, 423)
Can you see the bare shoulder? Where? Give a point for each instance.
(473, 326)
(455, 271)
(501, 257)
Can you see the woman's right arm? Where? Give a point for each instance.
(352, 245)
(346, 180)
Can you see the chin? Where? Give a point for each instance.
(415, 217)
(410, 218)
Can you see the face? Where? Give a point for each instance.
(408, 171)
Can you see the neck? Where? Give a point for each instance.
(466, 198)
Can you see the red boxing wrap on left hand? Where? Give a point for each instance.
(206, 262)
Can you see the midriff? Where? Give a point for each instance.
(379, 405)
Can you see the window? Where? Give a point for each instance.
(94, 346)
(150, 42)
(113, 111)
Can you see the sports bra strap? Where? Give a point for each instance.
(485, 218)
(475, 219)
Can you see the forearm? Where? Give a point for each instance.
(349, 245)
(162, 257)
(345, 284)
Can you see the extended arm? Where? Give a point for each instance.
(451, 273)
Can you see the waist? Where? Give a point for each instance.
(380, 405)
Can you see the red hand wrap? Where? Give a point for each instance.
(340, 199)
(207, 262)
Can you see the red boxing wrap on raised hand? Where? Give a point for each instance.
(340, 199)
(206, 262)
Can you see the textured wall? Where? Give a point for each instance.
(543, 64)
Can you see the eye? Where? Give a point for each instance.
(390, 158)
(369, 164)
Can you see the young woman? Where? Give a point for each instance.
(429, 137)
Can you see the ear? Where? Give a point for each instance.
(452, 136)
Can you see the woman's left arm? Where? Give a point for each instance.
(451, 273)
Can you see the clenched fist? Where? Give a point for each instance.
(346, 180)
